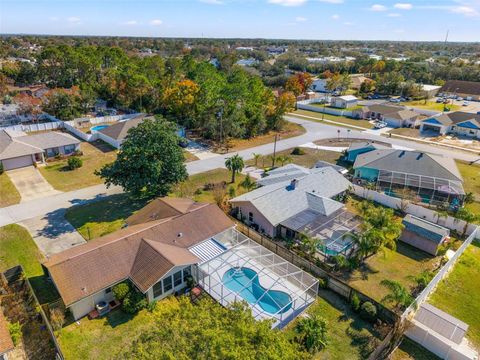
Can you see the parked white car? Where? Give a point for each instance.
(380, 125)
(465, 103)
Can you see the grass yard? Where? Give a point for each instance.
(348, 334)
(471, 177)
(430, 105)
(189, 156)
(8, 192)
(459, 294)
(399, 265)
(414, 133)
(102, 338)
(309, 159)
(18, 248)
(289, 130)
(103, 216)
(410, 350)
(341, 120)
(95, 155)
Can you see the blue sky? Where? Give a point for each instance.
(293, 19)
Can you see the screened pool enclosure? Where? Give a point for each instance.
(246, 271)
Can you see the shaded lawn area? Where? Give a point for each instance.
(8, 192)
(410, 350)
(430, 105)
(102, 338)
(348, 334)
(471, 177)
(342, 120)
(289, 130)
(95, 155)
(309, 159)
(459, 293)
(104, 216)
(189, 156)
(399, 265)
(18, 248)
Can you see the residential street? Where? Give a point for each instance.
(314, 131)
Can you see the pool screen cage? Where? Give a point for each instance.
(272, 272)
(427, 189)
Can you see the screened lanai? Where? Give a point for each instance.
(273, 287)
(430, 190)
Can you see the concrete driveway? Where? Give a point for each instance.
(52, 232)
(31, 184)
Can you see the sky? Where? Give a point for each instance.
(419, 20)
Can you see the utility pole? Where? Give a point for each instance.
(274, 151)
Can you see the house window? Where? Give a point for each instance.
(68, 149)
(250, 217)
(177, 278)
(108, 290)
(186, 272)
(52, 152)
(157, 289)
(167, 284)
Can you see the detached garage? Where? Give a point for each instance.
(423, 234)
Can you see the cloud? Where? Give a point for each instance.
(464, 10)
(156, 22)
(403, 6)
(212, 2)
(394, 15)
(335, 17)
(130, 22)
(74, 20)
(378, 7)
(287, 2)
(300, 19)
(332, 1)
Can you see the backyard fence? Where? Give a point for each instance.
(14, 274)
(306, 105)
(336, 285)
(416, 210)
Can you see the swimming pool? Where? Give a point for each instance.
(98, 127)
(245, 281)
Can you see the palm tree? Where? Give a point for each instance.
(399, 295)
(282, 159)
(308, 244)
(235, 164)
(467, 216)
(256, 157)
(469, 198)
(312, 333)
(248, 184)
(364, 244)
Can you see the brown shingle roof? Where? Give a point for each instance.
(6, 343)
(130, 253)
(461, 87)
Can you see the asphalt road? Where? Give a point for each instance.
(314, 131)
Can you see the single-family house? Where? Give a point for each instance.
(357, 81)
(362, 147)
(469, 90)
(115, 134)
(6, 343)
(429, 91)
(394, 116)
(459, 123)
(344, 102)
(271, 206)
(320, 164)
(319, 85)
(423, 234)
(156, 256)
(431, 179)
(19, 150)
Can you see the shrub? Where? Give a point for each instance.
(312, 333)
(368, 311)
(231, 192)
(134, 302)
(74, 163)
(15, 330)
(298, 151)
(355, 302)
(57, 318)
(1, 168)
(120, 291)
(323, 283)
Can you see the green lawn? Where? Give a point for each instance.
(430, 105)
(471, 177)
(342, 120)
(397, 265)
(348, 334)
(102, 338)
(18, 248)
(103, 216)
(8, 192)
(459, 293)
(410, 350)
(309, 159)
(95, 155)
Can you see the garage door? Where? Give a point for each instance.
(17, 162)
(431, 128)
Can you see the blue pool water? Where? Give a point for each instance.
(98, 127)
(272, 302)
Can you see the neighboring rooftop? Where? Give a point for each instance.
(119, 130)
(367, 144)
(455, 118)
(461, 87)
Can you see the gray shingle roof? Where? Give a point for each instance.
(281, 201)
(48, 140)
(425, 228)
(455, 118)
(119, 130)
(366, 144)
(411, 162)
(282, 174)
(10, 148)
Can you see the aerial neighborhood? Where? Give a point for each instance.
(207, 198)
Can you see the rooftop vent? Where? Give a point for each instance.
(293, 184)
(401, 154)
(419, 156)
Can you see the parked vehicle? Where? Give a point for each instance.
(380, 125)
(440, 100)
(459, 98)
(465, 103)
(469, 98)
